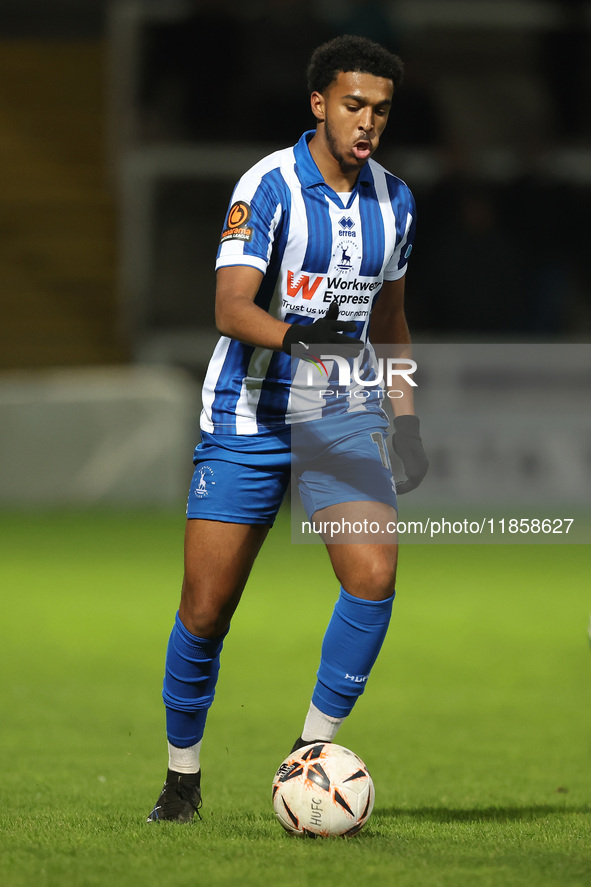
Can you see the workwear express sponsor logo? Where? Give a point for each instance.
(355, 291)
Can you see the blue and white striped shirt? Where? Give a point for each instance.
(312, 245)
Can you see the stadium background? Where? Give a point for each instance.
(122, 128)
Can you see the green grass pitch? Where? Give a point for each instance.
(476, 723)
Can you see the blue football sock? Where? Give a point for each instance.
(353, 639)
(192, 667)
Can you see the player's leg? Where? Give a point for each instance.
(360, 619)
(218, 560)
(366, 570)
(347, 489)
(233, 501)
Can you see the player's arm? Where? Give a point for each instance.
(389, 327)
(237, 316)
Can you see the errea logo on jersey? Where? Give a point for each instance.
(294, 285)
(347, 224)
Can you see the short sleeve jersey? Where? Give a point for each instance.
(312, 246)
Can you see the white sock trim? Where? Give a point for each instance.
(184, 760)
(320, 726)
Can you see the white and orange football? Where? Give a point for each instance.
(321, 790)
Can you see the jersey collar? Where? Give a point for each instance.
(309, 174)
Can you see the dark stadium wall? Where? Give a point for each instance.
(58, 257)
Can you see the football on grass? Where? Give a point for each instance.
(321, 790)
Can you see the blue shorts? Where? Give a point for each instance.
(243, 478)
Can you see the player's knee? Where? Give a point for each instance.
(202, 615)
(204, 623)
(374, 581)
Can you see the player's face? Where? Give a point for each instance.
(354, 110)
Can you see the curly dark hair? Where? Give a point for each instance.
(351, 53)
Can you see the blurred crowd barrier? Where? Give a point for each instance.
(87, 437)
(506, 424)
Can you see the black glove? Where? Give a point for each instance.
(408, 445)
(324, 331)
